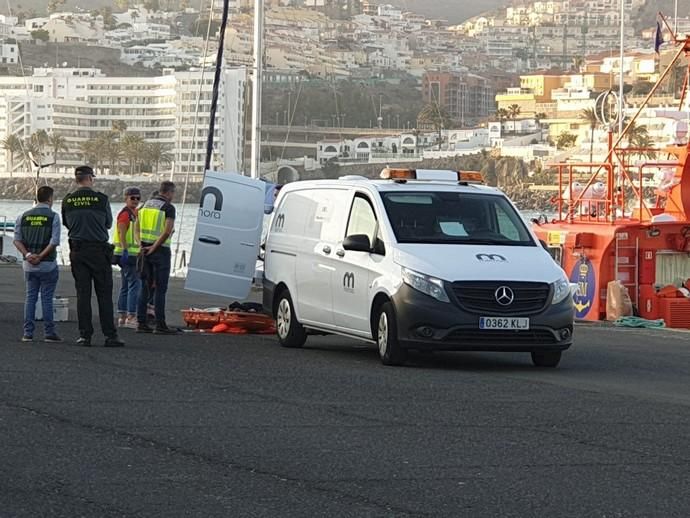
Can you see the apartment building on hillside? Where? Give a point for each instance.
(82, 104)
(466, 97)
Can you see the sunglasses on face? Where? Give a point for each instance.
(135, 198)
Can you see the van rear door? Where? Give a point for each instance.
(227, 235)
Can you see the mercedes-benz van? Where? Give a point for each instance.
(426, 260)
(417, 260)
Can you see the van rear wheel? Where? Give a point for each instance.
(290, 332)
(546, 358)
(386, 334)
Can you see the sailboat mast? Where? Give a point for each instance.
(256, 91)
(216, 84)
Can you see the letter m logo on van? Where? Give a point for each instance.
(491, 258)
(349, 282)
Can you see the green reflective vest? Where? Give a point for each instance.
(132, 245)
(152, 222)
(37, 229)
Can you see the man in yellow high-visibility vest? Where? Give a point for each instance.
(156, 224)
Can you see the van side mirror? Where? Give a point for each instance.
(379, 247)
(357, 243)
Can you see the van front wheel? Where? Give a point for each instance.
(386, 335)
(290, 332)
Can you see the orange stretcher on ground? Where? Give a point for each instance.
(233, 322)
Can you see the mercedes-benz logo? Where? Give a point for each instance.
(504, 296)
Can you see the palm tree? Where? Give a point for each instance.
(58, 143)
(513, 112)
(436, 117)
(589, 115)
(12, 144)
(638, 137)
(38, 141)
(157, 154)
(119, 126)
(91, 152)
(133, 148)
(502, 115)
(111, 148)
(30, 148)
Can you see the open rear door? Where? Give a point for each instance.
(227, 235)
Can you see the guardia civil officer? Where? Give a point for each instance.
(36, 236)
(87, 215)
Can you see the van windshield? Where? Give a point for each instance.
(455, 218)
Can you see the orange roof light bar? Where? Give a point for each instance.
(470, 177)
(432, 175)
(398, 174)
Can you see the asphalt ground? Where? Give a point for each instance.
(233, 426)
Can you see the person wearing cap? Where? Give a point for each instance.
(87, 215)
(126, 250)
(36, 236)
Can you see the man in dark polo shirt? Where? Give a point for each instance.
(87, 215)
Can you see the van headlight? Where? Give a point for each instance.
(428, 285)
(561, 289)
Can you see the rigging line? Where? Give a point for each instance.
(194, 132)
(216, 85)
(291, 119)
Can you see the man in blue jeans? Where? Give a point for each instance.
(36, 236)
(156, 223)
(125, 254)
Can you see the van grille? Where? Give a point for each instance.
(476, 336)
(480, 298)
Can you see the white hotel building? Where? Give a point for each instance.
(80, 104)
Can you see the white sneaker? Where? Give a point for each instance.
(121, 321)
(131, 322)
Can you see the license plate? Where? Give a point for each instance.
(511, 323)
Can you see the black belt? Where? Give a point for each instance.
(79, 243)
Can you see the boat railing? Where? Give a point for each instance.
(605, 192)
(5, 227)
(582, 206)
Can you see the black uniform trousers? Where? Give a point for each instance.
(92, 265)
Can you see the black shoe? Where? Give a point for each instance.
(84, 341)
(113, 341)
(144, 328)
(27, 338)
(52, 339)
(166, 331)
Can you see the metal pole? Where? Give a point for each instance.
(675, 18)
(256, 94)
(621, 104)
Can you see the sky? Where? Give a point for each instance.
(454, 11)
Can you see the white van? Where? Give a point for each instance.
(426, 260)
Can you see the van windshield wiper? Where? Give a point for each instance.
(498, 242)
